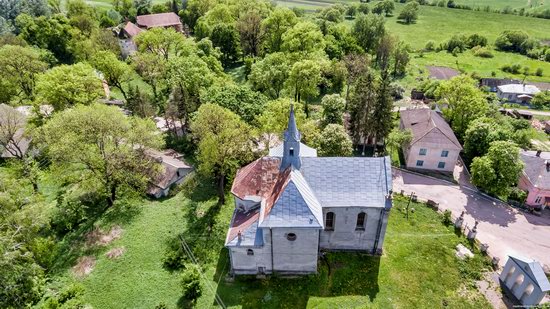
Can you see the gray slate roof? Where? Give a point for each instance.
(350, 181)
(297, 206)
(251, 235)
(535, 168)
(534, 271)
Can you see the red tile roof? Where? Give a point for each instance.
(158, 20)
(257, 178)
(131, 29)
(241, 222)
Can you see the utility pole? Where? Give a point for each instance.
(408, 204)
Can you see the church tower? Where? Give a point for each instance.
(291, 154)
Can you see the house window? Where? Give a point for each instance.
(441, 165)
(329, 221)
(444, 153)
(292, 152)
(538, 199)
(423, 151)
(360, 221)
(249, 252)
(419, 163)
(291, 236)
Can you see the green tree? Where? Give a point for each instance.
(409, 14)
(511, 40)
(362, 105)
(275, 25)
(269, 74)
(19, 67)
(398, 139)
(116, 73)
(226, 38)
(541, 99)
(224, 143)
(191, 282)
(465, 101)
(368, 31)
(304, 38)
(500, 169)
(68, 85)
(161, 41)
(153, 70)
(382, 112)
(239, 99)
(99, 148)
(401, 59)
(333, 109)
(481, 133)
(334, 141)
(12, 126)
(304, 79)
(356, 65)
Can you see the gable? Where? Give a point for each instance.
(437, 139)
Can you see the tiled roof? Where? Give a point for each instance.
(247, 224)
(535, 168)
(296, 206)
(351, 181)
(519, 88)
(425, 123)
(305, 151)
(257, 178)
(534, 271)
(131, 29)
(158, 20)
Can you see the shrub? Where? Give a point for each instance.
(174, 257)
(447, 219)
(476, 40)
(538, 72)
(514, 68)
(482, 52)
(512, 40)
(430, 45)
(190, 282)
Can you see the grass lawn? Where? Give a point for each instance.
(418, 268)
(514, 4)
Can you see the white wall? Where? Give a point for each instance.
(299, 256)
(432, 157)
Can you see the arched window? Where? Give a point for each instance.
(360, 221)
(249, 252)
(291, 236)
(329, 221)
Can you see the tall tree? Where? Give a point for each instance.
(369, 30)
(269, 74)
(161, 41)
(304, 79)
(99, 147)
(251, 32)
(19, 66)
(362, 107)
(224, 143)
(333, 109)
(397, 139)
(356, 65)
(12, 125)
(383, 108)
(153, 70)
(465, 102)
(409, 13)
(275, 25)
(226, 38)
(116, 73)
(68, 85)
(303, 39)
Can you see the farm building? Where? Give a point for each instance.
(434, 145)
(173, 172)
(164, 20)
(493, 83)
(517, 93)
(291, 205)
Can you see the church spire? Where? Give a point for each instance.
(292, 137)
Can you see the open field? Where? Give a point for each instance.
(409, 274)
(514, 4)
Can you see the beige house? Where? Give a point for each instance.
(434, 145)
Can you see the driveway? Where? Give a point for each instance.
(504, 229)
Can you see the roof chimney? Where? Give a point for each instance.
(538, 153)
(239, 236)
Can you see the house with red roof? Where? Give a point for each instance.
(291, 205)
(164, 20)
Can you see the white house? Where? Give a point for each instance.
(291, 204)
(434, 145)
(517, 93)
(173, 171)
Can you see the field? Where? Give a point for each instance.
(409, 274)
(513, 4)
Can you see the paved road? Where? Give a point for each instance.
(504, 229)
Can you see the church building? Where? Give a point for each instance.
(291, 205)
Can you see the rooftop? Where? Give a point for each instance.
(533, 270)
(158, 20)
(519, 88)
(423, 122)
(536, 168)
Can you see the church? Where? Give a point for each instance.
(291, 205)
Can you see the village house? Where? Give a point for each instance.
(535, 178)
(492, 83)
(291, 205)
(434, 145)
(517, 93)
(173, 171)
(524, 281)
